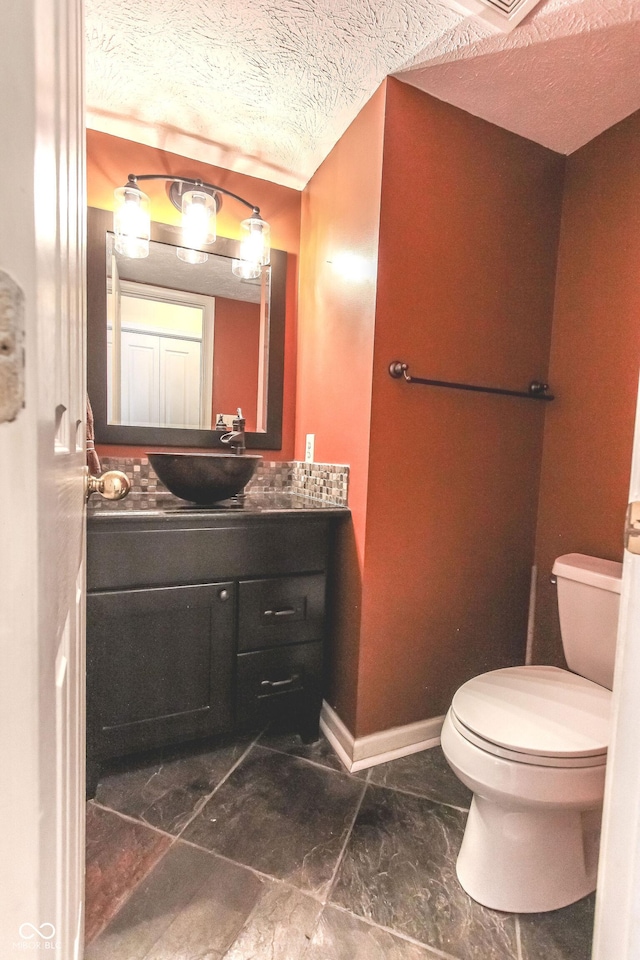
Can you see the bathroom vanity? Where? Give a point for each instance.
(203, 621)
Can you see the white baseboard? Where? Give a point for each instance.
(377, 747)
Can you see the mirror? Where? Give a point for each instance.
(174, 346)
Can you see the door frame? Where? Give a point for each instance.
(617, 921)
(42, 480)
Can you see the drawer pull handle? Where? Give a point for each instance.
(279, 684)
(283, 612)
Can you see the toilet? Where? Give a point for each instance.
(531, 744)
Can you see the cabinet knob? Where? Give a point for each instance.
(223, 595)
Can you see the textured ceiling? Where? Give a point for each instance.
(162, 268)
(563, 76)
(266, 87)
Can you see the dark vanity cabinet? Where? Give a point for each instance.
(200, 625)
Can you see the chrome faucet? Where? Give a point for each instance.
(235, 439)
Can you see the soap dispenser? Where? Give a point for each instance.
(238, 424)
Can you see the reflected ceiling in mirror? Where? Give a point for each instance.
(173, 345)
(163, 268)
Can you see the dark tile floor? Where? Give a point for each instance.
(268, 850)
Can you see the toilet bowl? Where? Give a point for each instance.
(531, 744)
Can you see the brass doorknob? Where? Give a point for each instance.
(112, 485)
(632, 528)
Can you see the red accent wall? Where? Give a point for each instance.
(491, 260)
(468, 239)
(109, 162)
(445, 482)
(595, 357)
(236, 350)
(336, 318)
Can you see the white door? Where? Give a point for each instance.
(140, 372)
(180, 393)
(160, 380)
(617, 924)
(41, 478)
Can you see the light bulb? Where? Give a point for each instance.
(198, 218)
(245, 269)
(131, 222)
(191, 256)
(255, 245)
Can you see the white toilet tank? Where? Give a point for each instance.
(588, 604)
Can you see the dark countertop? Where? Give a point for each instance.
(164, 506)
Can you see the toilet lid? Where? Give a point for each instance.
(538, 710)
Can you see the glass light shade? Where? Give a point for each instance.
(245, 269)
(198, 218)
(131, 222)
(191, 256)
(255, 244)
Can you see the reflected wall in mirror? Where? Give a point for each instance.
(173, 345)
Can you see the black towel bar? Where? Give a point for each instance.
(537, 390)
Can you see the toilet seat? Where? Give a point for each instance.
(536, 715)
(528, 758)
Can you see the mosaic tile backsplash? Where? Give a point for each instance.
(327, 482)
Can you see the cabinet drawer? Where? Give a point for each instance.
(270, 680)
(136, 554)
(280, 611)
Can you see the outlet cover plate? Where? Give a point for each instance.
(309, 448)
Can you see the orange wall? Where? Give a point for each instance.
(450, 492)
(594, 365)
(444, 484)
(236, 350)
(111, 159)
(340, 213)
(468, 239)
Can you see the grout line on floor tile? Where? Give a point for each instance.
(244, 926)
(129, 893)
(131, 819)
(314, 763)
(332, 881)
(420, 796)
(201, 803)
(395, 933)
(256, 906)
(258, 873)
(312, 933)
(518, 939)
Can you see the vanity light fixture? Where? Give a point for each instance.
(199, 202)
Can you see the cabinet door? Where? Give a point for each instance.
(159, 666)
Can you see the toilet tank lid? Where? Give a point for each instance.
(605, 574)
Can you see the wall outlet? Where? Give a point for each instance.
(309, 447)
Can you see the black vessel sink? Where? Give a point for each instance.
(204, 477)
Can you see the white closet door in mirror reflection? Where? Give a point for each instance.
(179, 382)
(160, 381)
(159, 356)
(140, 364)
